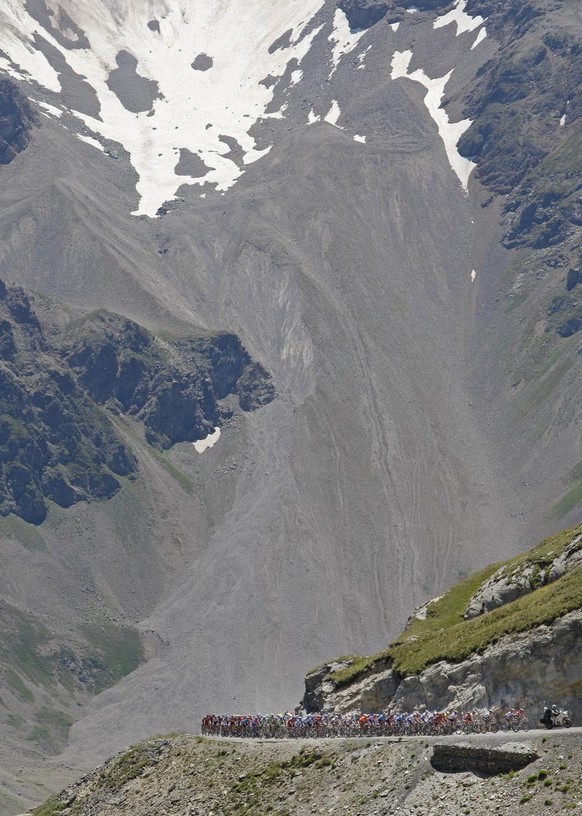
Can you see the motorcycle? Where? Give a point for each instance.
(555, 717)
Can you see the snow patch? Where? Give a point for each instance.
(394, 26)
(362, 57)
(473, 275)
(91, 141)
(333, 114)
(479, 38)
(208, 442)
(459, 16)
(49, 109)
(17, 28)
(411, 10)
(342, 38)
(313, 118)
(361, 139)
(230, 95)
(296, 77)
(450, 132)
(280, 114)
(563, 117)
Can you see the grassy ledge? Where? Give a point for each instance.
(445, 635)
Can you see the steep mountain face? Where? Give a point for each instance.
(57, 444)
(54, 445)
(16, 120)
(326, 182)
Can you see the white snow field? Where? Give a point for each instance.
(459, 16)
(50, 109)
(90, 140)
(463, 21)
(334, 113)
(450, 132)
(208, 441)
(342, 39)
(480, 37)
(194, 108)
(210, 70)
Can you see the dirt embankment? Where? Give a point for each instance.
(191, 776)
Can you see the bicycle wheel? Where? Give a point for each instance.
(493, 727)
(525, 725)
(515, 727)
(567, 722)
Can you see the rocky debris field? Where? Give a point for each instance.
(192, 776)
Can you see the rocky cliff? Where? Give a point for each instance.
(60, 386)
(16, 120)
(525, 138)
(513, 639)
(363, 14)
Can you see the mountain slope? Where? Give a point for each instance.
(363, 777)
(425, 422)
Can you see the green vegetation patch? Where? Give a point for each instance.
(28, 536)
(458, 642)
(51, 807)
(571, 499)
(17, 684)
(172, 470)
(444, 612)
(357, 668)
(111, 653)
(119, 648)
(126, 767)
(20, 643)
(545, 552)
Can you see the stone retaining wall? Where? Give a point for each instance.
(489, 761)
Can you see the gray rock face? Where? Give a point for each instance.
(499, 590)
(364, 14)
(527, 669)
(16, 121)
(488, 761)
(506, 586)
(175, 387)
(135, 92)
(55, 443)
(368, 695)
